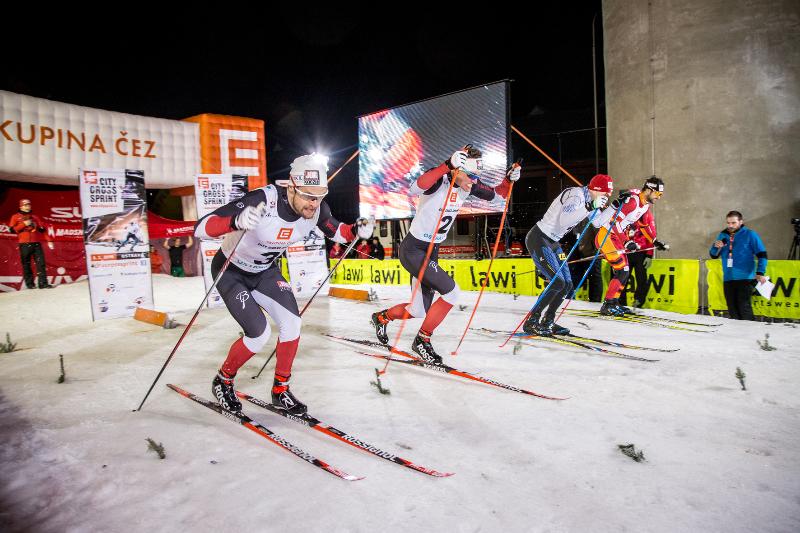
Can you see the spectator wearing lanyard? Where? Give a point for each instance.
(739, 247)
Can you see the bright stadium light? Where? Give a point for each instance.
(320, 158)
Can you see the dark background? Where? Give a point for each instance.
(308, 74)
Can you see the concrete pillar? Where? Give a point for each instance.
(706, 95)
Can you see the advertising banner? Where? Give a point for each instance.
(114, 210)
(672, 285)
(785, 300)
(211, 192)
(45, 141)
(308, 265)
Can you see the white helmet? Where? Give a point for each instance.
(307, 170)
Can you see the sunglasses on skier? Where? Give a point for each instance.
(308, 197)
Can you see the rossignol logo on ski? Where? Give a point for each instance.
(243, 297)
(229, 415)
(369, 448)
(299, 419)
(433, 366)
(294, 449)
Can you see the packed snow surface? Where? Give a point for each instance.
(75, 457)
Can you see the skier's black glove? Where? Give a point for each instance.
(631, 246)
(660, 245)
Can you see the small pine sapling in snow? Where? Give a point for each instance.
(63, 377)
(765, 345)
(156, 447)
(8, 346)
(740, 376)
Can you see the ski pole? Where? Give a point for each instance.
(599, 249)
(584, 259)
(186, 330)
(489, 268)
(560, 267)
(347, 251)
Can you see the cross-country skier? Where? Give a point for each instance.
(463, 168)
(640, 255)
(134, 233)
(568, 210)
(267, 220)
(635, 203)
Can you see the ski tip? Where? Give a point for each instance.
(346, 477)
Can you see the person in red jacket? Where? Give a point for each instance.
(363, 249)
(630, 208)
(643, 236)
(30, 230)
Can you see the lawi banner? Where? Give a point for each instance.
(784, 302)
(673, 285)
(212, 191)
(114, 210)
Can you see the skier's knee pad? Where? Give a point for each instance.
(452, 296)
(622, 275)
(568, 287)
(558, 284)
(254, 344)
(289, 327)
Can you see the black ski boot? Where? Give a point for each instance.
(222, 389)
(422, 347)
(283, 399)
(625, 310)
(610, 308)
(533, 326)
(379, 322)
(548, 323)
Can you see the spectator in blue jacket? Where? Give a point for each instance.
(739, 248)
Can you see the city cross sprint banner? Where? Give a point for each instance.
(114, 210)
(308, 265)
(785, 300)
(212, 191)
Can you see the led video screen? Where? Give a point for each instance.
(397, 145)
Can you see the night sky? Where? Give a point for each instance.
(309, 76)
